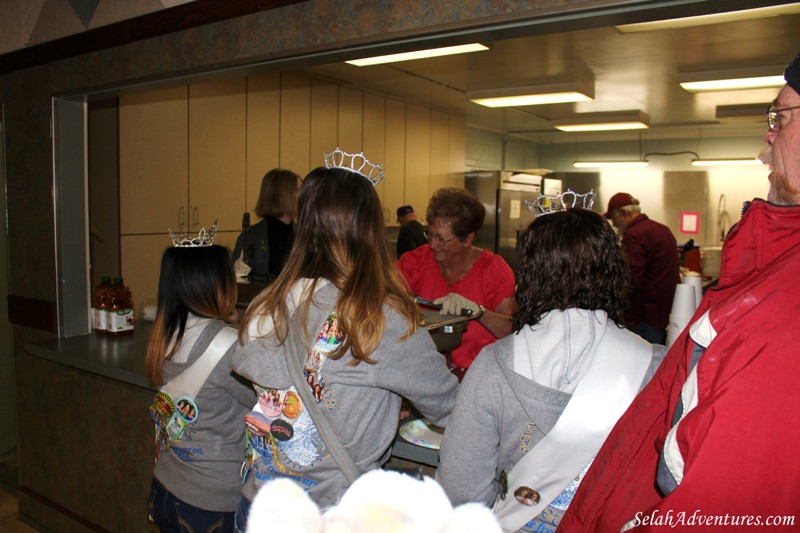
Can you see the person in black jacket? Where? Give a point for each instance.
(412, 233)
(264, 246)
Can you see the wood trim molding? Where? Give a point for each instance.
(172, 19)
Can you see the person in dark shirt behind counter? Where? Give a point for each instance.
(412, 233)
(652, 253)
(262, 249)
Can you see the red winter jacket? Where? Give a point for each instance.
(652, 255)
(740, 443)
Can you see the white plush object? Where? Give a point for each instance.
(380, 501)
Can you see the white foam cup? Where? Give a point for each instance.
(683, 305)
(697, 283)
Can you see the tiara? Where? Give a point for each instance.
(355, 163)
(546, 205)
(204, 238)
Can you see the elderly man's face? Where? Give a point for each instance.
(783, 153)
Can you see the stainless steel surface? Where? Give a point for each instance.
(446, 330)
(506, 213)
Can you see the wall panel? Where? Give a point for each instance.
(440, 154)
(457, 148)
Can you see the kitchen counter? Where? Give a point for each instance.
(86, 436)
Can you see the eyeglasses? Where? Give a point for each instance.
(438, 240)
(774, 117)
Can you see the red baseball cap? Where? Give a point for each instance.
(621, 199)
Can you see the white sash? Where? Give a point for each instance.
(612, 380)
(191, 380)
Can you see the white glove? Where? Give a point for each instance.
(241, 268)
(453, 303)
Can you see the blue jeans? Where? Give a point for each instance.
(172, 515)
(240, 521)
(651, 333)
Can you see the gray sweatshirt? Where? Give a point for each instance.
(204, 467)
(500, 415)
(362, 402)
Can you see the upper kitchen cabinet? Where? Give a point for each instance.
(153, 161)
(182, 158)
(263, 133)
(217, 148)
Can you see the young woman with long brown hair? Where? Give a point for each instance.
(342, 304)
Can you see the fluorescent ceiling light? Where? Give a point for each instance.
(715, 18)
(732, 79)
(419, 54)
(610, 164)
(725, 162)
(603, 122)
(737, 114)
(549, 93)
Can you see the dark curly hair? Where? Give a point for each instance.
(570, 259)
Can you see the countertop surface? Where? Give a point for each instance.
(120, 358)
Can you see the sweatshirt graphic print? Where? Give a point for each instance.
(282, 438)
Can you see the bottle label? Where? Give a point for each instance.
(120, 320)
(100, 319)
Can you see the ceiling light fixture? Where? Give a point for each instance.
(738, 114)
(549, 93)
(630, 120)
(715, 18)
(732, 79)
(611, 164)
(419, 54)
(726, 162)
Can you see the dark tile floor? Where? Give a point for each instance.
(9, 510)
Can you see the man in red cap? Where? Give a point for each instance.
(652, 254)
(710, 443)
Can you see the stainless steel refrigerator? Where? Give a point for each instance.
(503, 194)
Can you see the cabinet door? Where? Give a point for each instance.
(263, 132)
(140, 265)
(418, 157)
(395, 159)
(375, 143)
(217, 154)
(295, 120)
(153, 161)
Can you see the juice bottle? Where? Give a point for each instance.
(120, 310)
(100, 303)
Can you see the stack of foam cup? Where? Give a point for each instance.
(697, 283)
(683, 307)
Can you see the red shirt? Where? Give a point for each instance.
(489, 281)
(652, 254)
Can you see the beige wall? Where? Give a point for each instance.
(194, 154)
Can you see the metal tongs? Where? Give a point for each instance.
(429, 303)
